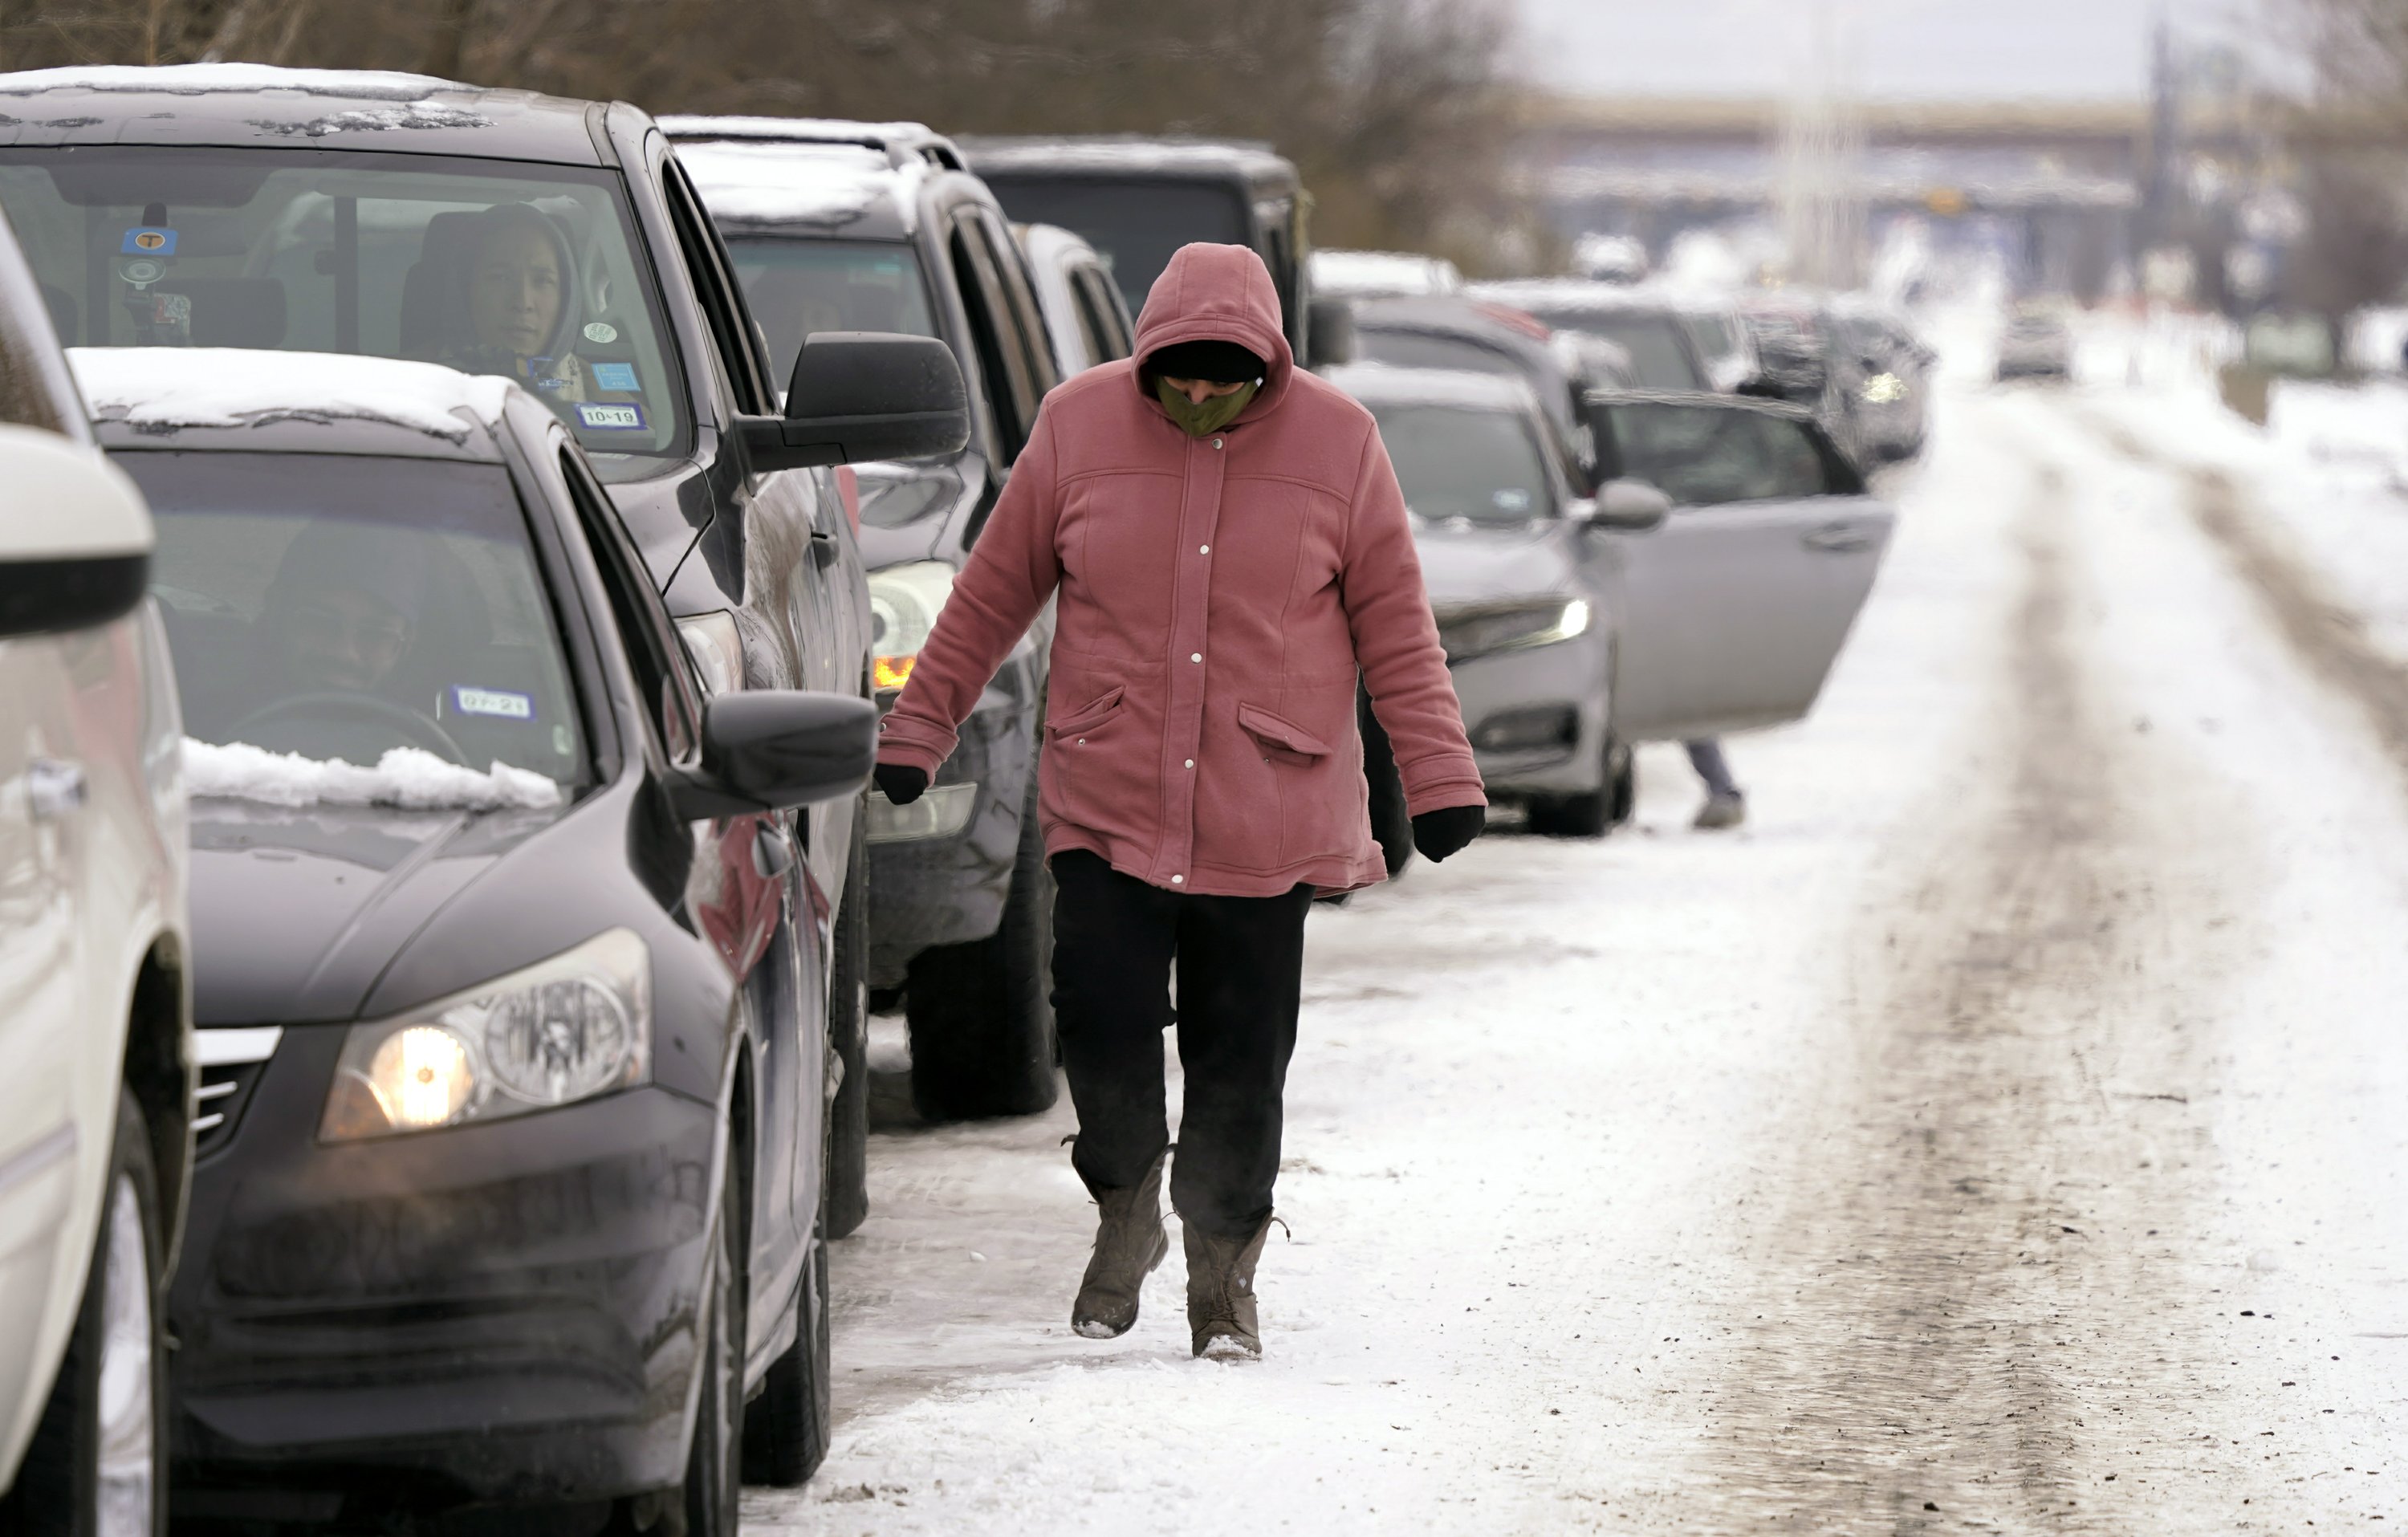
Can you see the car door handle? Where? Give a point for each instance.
(1836, 538)
(53, 788)
(822, 547)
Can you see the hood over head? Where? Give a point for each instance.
(1212, 293)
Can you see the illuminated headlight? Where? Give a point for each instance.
(1882, 389)
(1481, 631)
(904, 601)
(717, 649)
(569, 1029)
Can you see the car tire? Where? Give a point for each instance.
(981, 1013)
(96, 1467)
(786, 1425)
(714, 1458)
(1622, 774)
(848, 1145)
(1573, 817)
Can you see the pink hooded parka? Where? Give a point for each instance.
(1218, 596)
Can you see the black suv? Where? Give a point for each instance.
(1137, 200)
(845, 227)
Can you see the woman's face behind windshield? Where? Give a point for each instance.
(491, 266)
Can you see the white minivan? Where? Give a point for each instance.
(96, 1068)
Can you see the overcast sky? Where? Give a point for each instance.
(1987, 49)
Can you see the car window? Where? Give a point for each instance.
(340, 608)
(797, 287)
(1426, 349)
(731, 332)
(1102, 302)
(1011, 393)
(491, 266)
(1705, 455)
(1027, 320)
(1134, 223)
(1659, 361)
(1461, 461)
(1713, 335)
(653, 651)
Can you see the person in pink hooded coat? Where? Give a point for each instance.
(1229, 552)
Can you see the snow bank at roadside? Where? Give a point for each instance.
(409, 777)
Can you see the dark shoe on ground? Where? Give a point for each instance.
(1221, 1293)
(1129, 1244)
(1722, 812)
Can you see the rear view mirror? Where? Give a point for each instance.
(859, 395)
(1629, 506)
(771, 749)
(75, 544)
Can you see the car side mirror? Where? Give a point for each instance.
(771, 749)
(858, 396)
(75, 544)
(1627, 506)
(1329, 331)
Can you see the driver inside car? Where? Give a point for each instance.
(512, 313)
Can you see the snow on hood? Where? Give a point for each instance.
(201, 79)
(792, 183)
(160, 388)
(1210, 293)
(407, 777)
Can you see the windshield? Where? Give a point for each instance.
(797, 287)
(489, 266)
(1705, 455)
(1461, 461)
(1135, 225)
(1658, 359)
(1429, 350)
(339, 608)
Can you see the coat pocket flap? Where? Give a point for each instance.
(1264, 726)
(1086, 715)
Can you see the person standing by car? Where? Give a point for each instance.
(1230, 551)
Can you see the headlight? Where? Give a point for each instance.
(904, 601)
(1493, 627)
(1882, 389)
(569, 1029)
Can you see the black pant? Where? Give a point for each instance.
(1240, 967)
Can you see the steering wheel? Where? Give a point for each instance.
(422, 729)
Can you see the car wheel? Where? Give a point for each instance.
(95, 1465)
(980, 1016)
(714, 1453)
(786, 1425)
(1622, 773)
(848, 1146)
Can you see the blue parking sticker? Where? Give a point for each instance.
(609, 416)
(500, 703)
(615, 376)
(145, 241)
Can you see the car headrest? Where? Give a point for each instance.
(432, 286)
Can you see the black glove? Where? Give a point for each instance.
(1446, 830)
(900, 782)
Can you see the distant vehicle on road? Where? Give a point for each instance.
(1382, 275)
(1860, 369)
(511, 970)
(841, 225)
(1648, 328)
(1084, 312)
(1465, 334)
(1137, 200)
(1893, 369)
(2036, 345)
(95, 1019)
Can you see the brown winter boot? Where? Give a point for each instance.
(1129, 1244)
(1221, 1292)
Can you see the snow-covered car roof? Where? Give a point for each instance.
(1386, 384)
(1382, 274)
(1573, 293)
(1110, 154)
(827, 185)
(260, 104)
(156, 392)
(892, 137)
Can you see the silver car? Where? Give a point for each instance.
(1705, 588)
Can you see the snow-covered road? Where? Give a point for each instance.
(2008, 1131)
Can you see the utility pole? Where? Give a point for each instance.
(1822, 208)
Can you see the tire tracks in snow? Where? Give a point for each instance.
(1930, 1355)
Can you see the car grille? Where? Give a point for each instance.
(231, 1062)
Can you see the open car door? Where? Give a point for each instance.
(1734, 607)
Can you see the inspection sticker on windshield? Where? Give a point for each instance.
(1513, 499)
(614, 376)
(146, 241)
(500, 703)
(601, 331)
(609, 416)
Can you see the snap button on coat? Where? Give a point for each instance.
(1316, 584)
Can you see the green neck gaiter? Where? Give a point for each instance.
(1209, 418)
